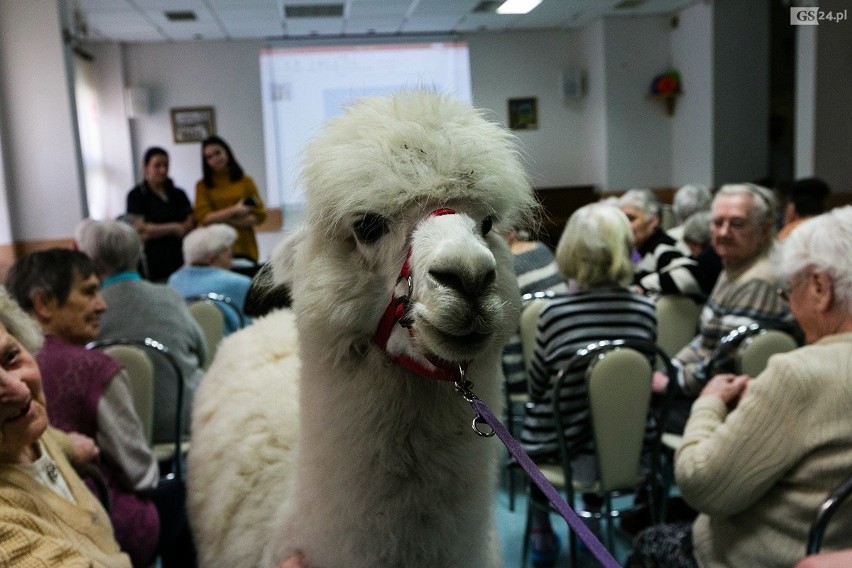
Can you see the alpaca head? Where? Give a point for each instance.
(407, 199)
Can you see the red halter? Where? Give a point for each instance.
(395, 313)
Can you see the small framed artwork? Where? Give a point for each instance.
(523, 113)
(193, 124)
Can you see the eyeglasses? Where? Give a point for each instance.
(786, 291)
(212, 154)
(733, 224)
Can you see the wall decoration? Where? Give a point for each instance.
(523, 113)
(193, 124)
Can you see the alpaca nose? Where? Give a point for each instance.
(467, 283)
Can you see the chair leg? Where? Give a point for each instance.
(610, 521)
(525, 545)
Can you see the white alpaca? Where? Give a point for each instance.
(388, 472)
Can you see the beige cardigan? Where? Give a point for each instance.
(759, 473)
(40, 529)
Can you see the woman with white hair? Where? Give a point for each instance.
(594, 250)
(139, 309)
(208, 252)
(662, 267)
(690, 199)
(760, 455)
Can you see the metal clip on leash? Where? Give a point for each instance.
(463, 387)
(483, 414)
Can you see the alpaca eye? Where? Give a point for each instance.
(487, 223)
(370, 228)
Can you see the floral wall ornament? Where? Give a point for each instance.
(667, 86)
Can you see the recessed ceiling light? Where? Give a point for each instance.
(180, 16)
(517, 6)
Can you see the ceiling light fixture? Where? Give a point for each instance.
(517, 6)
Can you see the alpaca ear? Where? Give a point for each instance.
(264, 295)
(270, 287)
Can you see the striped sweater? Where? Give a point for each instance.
(566, 325)
(739, 298)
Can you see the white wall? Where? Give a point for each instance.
(692, 123)
(806, 84)
(39, 138)
(517, 65)
(221, 74)
(592, 141)
(638, 130)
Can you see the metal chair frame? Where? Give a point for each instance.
(825, 513)
(219, 300)
(656, 482)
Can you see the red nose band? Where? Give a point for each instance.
(394, 318)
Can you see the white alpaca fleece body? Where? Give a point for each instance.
(388, 471)
(244, 435)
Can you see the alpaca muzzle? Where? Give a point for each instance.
(395, 333)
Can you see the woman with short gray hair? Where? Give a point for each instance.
(662, 268)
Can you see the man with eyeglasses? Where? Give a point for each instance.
(741, 232)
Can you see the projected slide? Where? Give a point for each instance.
(304, 86)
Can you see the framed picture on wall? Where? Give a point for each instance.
(193, 124)
(523, 113)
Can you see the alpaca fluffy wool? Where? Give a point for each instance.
(245, 421)
(387, 471)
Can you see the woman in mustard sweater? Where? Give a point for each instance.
(225, 194)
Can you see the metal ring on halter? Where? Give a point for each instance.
(477, 420)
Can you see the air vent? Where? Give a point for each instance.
(487, 7)
(628, 4)
(181, 16)
(314, 11)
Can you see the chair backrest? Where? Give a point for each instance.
(529, 328)
(754, 352)
(619, 387)
(225, 303)
(667, 220)
(141, 371)
(152, 346)
(749, 350)
(211, 320)
(826, 511)
(677, 322)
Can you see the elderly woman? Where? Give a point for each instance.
(140, 309)
(594, 250)
(209, 252)
(46, 511)
(662, 267)
(87, 391)
(760, 455)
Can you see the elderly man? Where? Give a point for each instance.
(741, 233)
(208, 252)
(760, 455)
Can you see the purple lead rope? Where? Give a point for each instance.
(575, 522)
